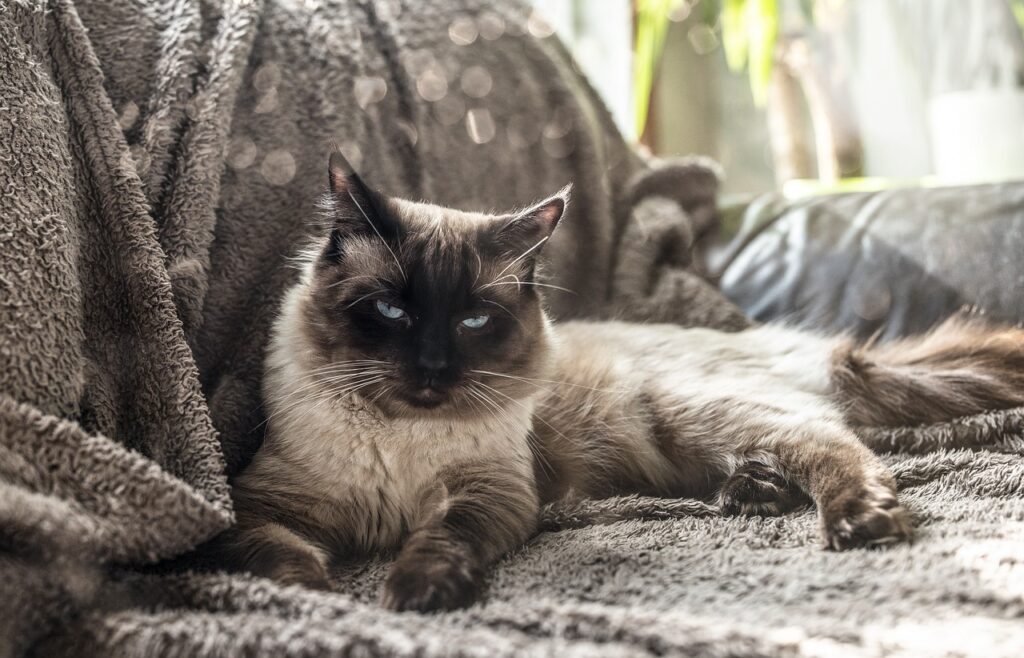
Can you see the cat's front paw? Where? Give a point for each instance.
(429, 585)
(863, 517)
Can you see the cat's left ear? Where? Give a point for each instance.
(530, 228)
(343, 179)
(357, 209)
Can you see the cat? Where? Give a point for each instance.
(420, 399)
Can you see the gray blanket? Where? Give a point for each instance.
(159, 164)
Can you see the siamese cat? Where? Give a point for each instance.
(419, 399)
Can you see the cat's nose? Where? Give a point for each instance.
(432, 365)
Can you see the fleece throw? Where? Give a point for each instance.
(158, 165)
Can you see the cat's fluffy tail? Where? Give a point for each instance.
(964, 366)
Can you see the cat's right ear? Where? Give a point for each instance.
(356, 208)
(530, 228)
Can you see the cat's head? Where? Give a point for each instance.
(426, 310)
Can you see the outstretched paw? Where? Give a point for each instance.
(441, 583)
(864, 517)
(756, 489)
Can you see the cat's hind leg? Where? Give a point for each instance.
(759, 487)
(854, 491)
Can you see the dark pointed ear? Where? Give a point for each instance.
(341, 175)
(356, 208)
(530, 229)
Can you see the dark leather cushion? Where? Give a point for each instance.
(895, 262)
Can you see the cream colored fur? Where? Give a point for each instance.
(345, 449)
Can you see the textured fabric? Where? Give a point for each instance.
(661, 583)
(894, 262)
(160, 162)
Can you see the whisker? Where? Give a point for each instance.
(522, 256)
(522, 380)
(531, 440)
(479, 268)
(327, 382)
(529, 283)
(327, 393)
(324, 397)
(550, 381)
(384, 390)
(517, 402)
(497, 280)
(335, 373)
(474, 403)
(514, 316)
(500, 412)
(369, 294)
(353, 278)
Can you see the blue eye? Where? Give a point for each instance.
(476, 322)
(389, 311)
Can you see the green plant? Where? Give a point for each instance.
(652, 19)
(749, 31)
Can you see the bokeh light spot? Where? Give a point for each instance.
(462, 30)
(872, 302)
(491, 25)
(480, 125)
(417, 61)
(703, 39)
(278, 167)
(267, 102)
(369, 90)
(128, 116)
(560, 124)
(242, 153)
(409, 130)
(432, 85)
(680, 12)
(476, 82)
(388, 10)
(450, 110)
(558, 147)
(538, 26)
(267, 77)
(352, 153)
(523, 131)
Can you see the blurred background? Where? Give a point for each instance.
(811, 96)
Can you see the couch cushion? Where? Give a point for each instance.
(895, 261)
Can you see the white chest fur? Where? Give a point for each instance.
(365, 473)
(345, 444)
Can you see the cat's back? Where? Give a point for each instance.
(693, 360)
